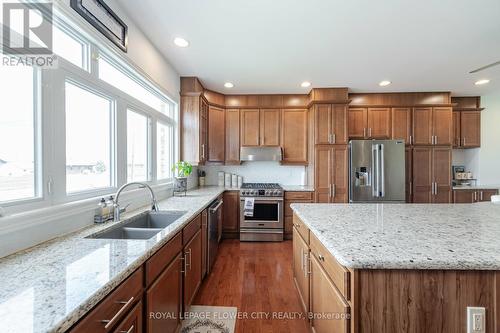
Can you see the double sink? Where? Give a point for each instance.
(142, 226)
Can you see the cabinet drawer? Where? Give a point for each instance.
(191, 229)
(298, 195)
(337, 273)
(160, 260)
(301, 228)
(119, 302)
(133, 322)
(288, 210)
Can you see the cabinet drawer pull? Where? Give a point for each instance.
(130, 330)
(297, 225)
(183, 264)
(481, 196)
(320, 257)
(334, 138)
(112, 321)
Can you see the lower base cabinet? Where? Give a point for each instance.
(133, 322)
(192, 269)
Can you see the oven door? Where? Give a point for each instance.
(267, 214)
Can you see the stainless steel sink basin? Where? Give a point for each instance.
(143, 226)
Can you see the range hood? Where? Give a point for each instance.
(260, 154)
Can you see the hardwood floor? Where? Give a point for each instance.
(256, 278)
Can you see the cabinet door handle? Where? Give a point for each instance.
(435, 188)
(370, 132)
(306, 271)
(330, 190)
(320, 257)
(436, 140)
(130, 330)
(183, 263)
(117, 315)
(333, 190)
(190, 258)
(411, 139)
(334, 138)
(302, 259)
(411, 188)
(464, 141)
(475, 196)
(329, 138)
(481, 196)
(364, 132)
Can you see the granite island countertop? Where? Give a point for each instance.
(51, 286)
(407, 236)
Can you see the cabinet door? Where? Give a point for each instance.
(300, 267)
(470, 128)
(422, 175)
(294, 136)
(358, 119)
(379, 123)
(409, 174)
(231, 210)
(322, 124)
(132, 322)
(325, 299)
(401, 124)
(442, 126)
(249, 127)
(232, 136)
(441, 165)
(463, 196)
(323, 174)
(203, 132)
(485, 195)
(216, 134)
(339, 169)
(192, 267)
(165, 296)
(457, 138)
(270, 123)
(204, 242)
(339, 124)
(422, 126)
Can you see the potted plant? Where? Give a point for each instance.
(182, 169)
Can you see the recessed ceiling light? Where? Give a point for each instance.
(181, 42)
(305, 84)
(228, 85)
(384, 83)
(480, 82)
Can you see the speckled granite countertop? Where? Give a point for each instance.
(298, 188)
(51, 286)
(408, 236)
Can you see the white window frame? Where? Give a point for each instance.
(149, 160)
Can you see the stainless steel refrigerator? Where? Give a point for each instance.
(377, 171)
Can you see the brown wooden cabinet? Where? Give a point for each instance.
(470, 129)
(370, 123)
(250, 127)
(204, 243)
(194, 133)
(431, 175)
(232, 136)
(330, 124)
(433, 126)
(473, 196)
(301, 267)
(192, 268)
(401, 124)
(290, 198)
(331, 174)
(133, 322)
(294, 136)
(457, 139)
(422, 126)
(231, 215)
(357, 123)
(216, 135)
(270, 123)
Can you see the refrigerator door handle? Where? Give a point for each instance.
(381, 171)
(374, 171)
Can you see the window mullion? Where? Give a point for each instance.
(121, 142)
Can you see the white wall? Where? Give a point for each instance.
(270, 172)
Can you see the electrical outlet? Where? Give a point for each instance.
(476, 320)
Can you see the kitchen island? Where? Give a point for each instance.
(397, 267)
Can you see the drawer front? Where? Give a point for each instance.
(191, 229)
(340, 276)
(133, 322)
(107, 314)
(288, 210)
(298, 195)
(160, 260)
(302, 229)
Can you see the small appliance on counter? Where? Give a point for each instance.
(463, 178)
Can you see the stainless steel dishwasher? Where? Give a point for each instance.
(214, 219)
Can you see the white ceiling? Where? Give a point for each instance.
(271, 46)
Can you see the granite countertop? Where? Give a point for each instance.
(298, 188)
(407, 236)
(477, 187)
(51, 286)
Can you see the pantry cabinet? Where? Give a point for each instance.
(431, 175)
(294, 136)
(331, 174)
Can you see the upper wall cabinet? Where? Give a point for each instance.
(260, 127)
(401, 124)
(433, 126)
(330, 124)
(194, 133)
(216, 134)
(294, 136)
(232, 136)
(369, 123)
(467, 122)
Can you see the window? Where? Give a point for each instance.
(69, 48)
(109, 73)
(137, 146)
(88, 140)
(164, 151)
(17, 134)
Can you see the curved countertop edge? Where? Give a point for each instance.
(87, 305)
(352, 263)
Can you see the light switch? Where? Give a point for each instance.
(476, 320)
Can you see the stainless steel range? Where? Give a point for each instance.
(261, 212)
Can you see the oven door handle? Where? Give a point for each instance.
(261, 200)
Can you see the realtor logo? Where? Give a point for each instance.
(27, 28)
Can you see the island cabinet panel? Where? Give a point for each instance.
(424, 301)
(192, 269)
(164, 296)
(270, 121)
(216, 135)
(470, 129)
(401, 125)
(301, 268)
(250, 127)
(326, 300)
(231, 214)
(294, 136)
(232, 136)
(379, 123)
